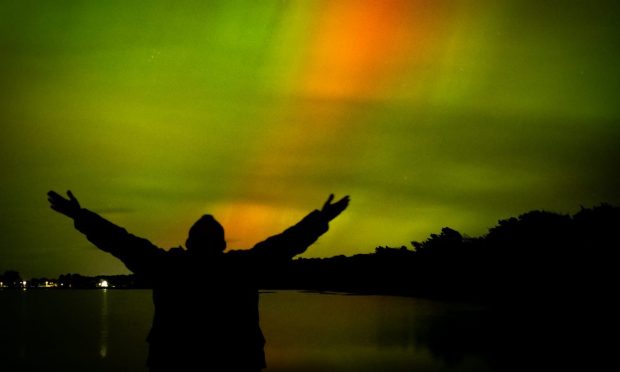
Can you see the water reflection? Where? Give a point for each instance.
(103, 342)
(105, 329)
(371, 333)
(22, 321)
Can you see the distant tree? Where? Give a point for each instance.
(439, 245)
(450, 265)
(393, 252)
(533, 255)
(598, 228)
(11, 279)
(597, 242)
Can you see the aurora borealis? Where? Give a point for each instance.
(427, 113)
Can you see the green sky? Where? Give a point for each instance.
(427, 113)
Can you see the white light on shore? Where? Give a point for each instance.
(103, 284)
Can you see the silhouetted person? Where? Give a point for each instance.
(206, 301)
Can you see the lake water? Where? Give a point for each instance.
(104, 330)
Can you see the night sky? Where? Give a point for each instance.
(427, 113)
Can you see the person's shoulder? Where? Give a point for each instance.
(173, 258)
(176, 252)
(237, 253)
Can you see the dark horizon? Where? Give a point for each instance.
(525, 255)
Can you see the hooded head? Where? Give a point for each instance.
(206, 237)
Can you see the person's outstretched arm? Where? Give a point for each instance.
(138, 254)
(296, 239)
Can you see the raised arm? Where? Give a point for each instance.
(297, 238)
(138, 254)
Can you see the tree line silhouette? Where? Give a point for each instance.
(540, 255)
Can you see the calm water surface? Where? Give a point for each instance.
(104, 330)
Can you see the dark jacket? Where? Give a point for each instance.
(206, 308)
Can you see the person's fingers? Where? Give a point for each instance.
(55, 199)
(53, 195)
(329, 200)
(327, 204)
(71, 197)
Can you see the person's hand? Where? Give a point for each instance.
(69, 207)
(332, 210)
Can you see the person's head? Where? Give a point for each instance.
(206, 237)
